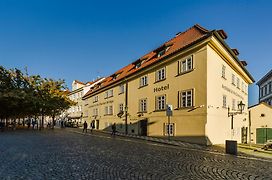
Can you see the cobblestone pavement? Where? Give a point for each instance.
(61, 154)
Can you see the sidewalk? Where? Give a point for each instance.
(243, 150)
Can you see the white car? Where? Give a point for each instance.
(268, 145)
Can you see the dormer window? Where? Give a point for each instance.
(162, 50)
(161, 53)
(114, 76)
(138, 65)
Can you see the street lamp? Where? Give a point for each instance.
(241, 107)
(231, 145)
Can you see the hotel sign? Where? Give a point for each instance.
(232, 92)
(162, 88)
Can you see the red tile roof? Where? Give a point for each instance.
(79, 82)
(180, 41)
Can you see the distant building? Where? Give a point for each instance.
(79, 89)
(265, 88)
(261, 123)
(196, 72)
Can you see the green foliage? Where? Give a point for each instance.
(22, 95)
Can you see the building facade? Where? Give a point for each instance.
(195, 72)
(265, 88)
(261, 123)
(79, 89)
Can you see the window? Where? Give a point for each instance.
(261, 92)
(238, 82)
(121, 107)
(185, 65)
(142, 105)
(80, 108)
(109, 93)
(265, 90)
(224, 101)
(143, 81)
(233, 79)
(223, 71)
(169, 129)
(160, 102)
(270, 87)
(95, 99)
(121, 89)
(186, 98)
(233, 104)
(108, 110)
(95, 112)
(243, 86)
(160, 74)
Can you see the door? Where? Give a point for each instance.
(143, 127)
(244, 135)
(263, 134)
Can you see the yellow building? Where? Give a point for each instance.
(196, 72)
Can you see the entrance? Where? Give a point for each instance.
(143, 127)
(97, 124)
(244, 135)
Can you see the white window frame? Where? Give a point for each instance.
(161, 102)
(121, 89)
(169, 129)
(233, 79)
(224, 101)
(185, 65)
(238, 82)
(186, 98)
(121, 107)
(95, 99)
(143, 81)
(224, 71)
(143, 105)
(161, 74)
(233, 104)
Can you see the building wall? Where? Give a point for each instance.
(261, 117)
(265, 91)
(218, 127)
(207, 122)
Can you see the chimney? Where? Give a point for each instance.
(222, 34)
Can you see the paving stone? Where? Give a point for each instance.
(61, 154)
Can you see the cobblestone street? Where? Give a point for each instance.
(61, 154)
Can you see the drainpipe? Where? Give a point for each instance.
(126, 108)
(249, 127)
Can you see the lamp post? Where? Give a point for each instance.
(241, 107)
(231, 145)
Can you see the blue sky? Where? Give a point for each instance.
(83, 39)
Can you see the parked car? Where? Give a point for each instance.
(268, 145)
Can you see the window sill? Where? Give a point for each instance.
(121, 93)
(108, 114)
(223, 77)
(157, 81)
(142, 86)
(184, 108)
(159, 110)
(182, 73)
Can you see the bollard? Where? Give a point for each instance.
(231, 147)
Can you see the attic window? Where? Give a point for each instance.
(138, 64)
(163, 51)
(115, 76)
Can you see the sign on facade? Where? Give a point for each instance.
(169, 110)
